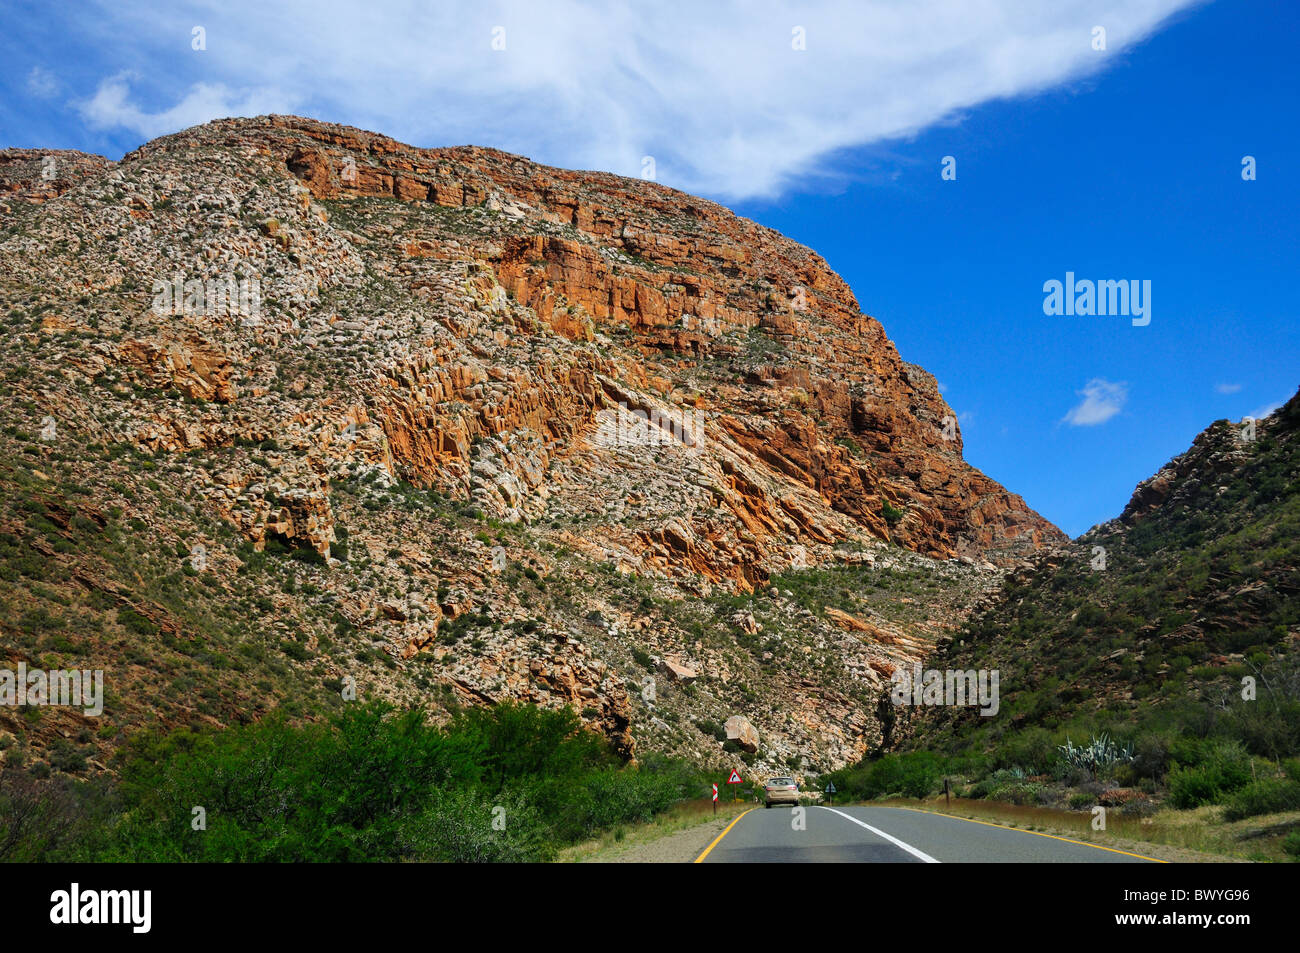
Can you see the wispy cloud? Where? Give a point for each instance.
(1102, 400)
(1259, 413)
(720, 94)
(43, 84)
(1227, 388)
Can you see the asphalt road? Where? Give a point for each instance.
(892, 835)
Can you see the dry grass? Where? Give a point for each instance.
(681, 817)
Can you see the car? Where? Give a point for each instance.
(780, 791)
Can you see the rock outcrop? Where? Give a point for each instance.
(434, 377)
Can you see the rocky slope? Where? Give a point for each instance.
(289, 405)
(1152, 620)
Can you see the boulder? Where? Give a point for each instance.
(742, 731)
(677, 672)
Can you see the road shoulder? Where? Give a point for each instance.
(678, 838)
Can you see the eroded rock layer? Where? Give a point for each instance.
(307, 324)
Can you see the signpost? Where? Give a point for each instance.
(735, 779)
(715, 797)
(830, 791)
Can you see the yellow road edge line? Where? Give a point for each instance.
(1018, 830)
(720, 836)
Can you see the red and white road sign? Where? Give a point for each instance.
(715, 792)
(735, 777)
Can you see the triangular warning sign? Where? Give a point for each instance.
(735, 777)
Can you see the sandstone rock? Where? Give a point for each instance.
(740, 730)
(678, 672)
(451, 346)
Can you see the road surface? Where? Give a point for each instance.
(892, 835)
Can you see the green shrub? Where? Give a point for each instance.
(915, 774)
(467, 827)
(710, 727)
(135, 623)
(1291, 844)
(1151, 755)
(506, 783)
(1031, 749)
(1263, 797)
(1082, 799)
(1017, 792)
(1221, 769)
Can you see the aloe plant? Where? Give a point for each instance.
(1101, 753)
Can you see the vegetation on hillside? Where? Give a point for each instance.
(508, 783)
(1176, 656)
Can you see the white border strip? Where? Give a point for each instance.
(879, 833)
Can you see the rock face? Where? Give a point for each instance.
(320, 333)
(742, 732)
(818, 401)
(36, 176)
(679, 673)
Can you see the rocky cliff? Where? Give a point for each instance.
(461, 427)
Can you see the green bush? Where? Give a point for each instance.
(1031, 749)
(1263, 797)
(915, 774)
(1291, 844)
(507, 783)
(1082, 799)
(135, 623)
(1016, 792)
(466, 827)
(1221, 769)
(1269, 728)
(1151, 755)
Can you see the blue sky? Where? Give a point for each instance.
(1135, 173)
(1122, 163)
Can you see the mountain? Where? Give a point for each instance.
(1150, 622)
(292, 409)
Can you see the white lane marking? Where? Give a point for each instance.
(879, 833)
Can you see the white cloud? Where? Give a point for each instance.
(1102, 400)
(43, 84)
(714, 91)
(111, 106)
(1227, 388)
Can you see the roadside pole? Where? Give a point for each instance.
(715, 798)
